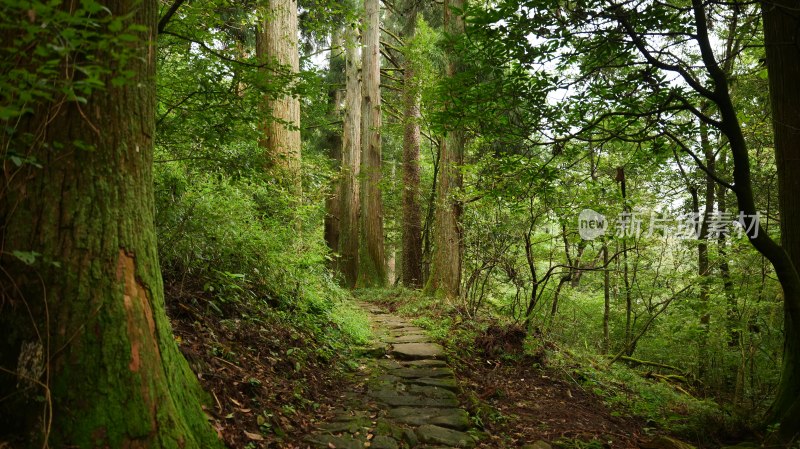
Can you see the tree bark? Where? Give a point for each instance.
(412, 212)
(276, 46)
(333, 202)
(351, 161)
(783, 62)
(445, 274)
(372, 260)
(606, 299)
(84, 325)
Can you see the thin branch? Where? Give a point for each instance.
(212, 51)
(394, 36)
(162, 23)
(706, 52)
(176, 106)
(390, 59)
(699, 162)
(638, 41)
(391, 47)
(386, 86)
(646, 326)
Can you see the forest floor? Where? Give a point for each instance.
(402, 391)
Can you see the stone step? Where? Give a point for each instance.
(432, 434)
(416, 373)
(409, 338)
(423, 363)
(453, 418)
(444, 382)
(417, 351)
(400, 400)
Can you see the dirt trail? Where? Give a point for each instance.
(406, 399)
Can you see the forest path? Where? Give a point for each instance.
(406, 397)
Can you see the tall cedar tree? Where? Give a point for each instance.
(446, 270)
(349, 190)
(334, 140)
(276, 47)
(412, 209)
(372, 263)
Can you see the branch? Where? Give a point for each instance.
(162, 23)
(390, 58)
(706, 52)
(212, 51)
(176, 106)
(391, 47)
(386, 86)
(394, 36)
(638, 41)
(637, 362)
(646, 326)
(699, 163)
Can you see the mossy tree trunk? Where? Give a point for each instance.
(445, 274)
(412, 209)
(334, 141)
(372, 259)
(351, 161)
(86, 342)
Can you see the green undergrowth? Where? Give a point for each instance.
(660, 406)
(240, 248)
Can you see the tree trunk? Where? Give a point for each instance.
(702, 249)
(625, 267)
(412, 212)
(351, 161)
(276, 46)
(606, 299)
(334, 142)
(783, 62)
(372, 263)
(554, 307)
(724, 267)
(430, 209)
(628, 299)
(88, 353)
(445, 274)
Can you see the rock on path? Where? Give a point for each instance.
(408, 397)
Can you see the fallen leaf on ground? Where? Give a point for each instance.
(253, 436)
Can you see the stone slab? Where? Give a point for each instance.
(452, 418)
(399, 400)
(431, 434)
(416, 373)
(417, 351)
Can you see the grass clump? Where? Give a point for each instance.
(352, 321)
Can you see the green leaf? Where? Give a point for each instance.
(28, 257)
(126, 37)
(115, 26)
